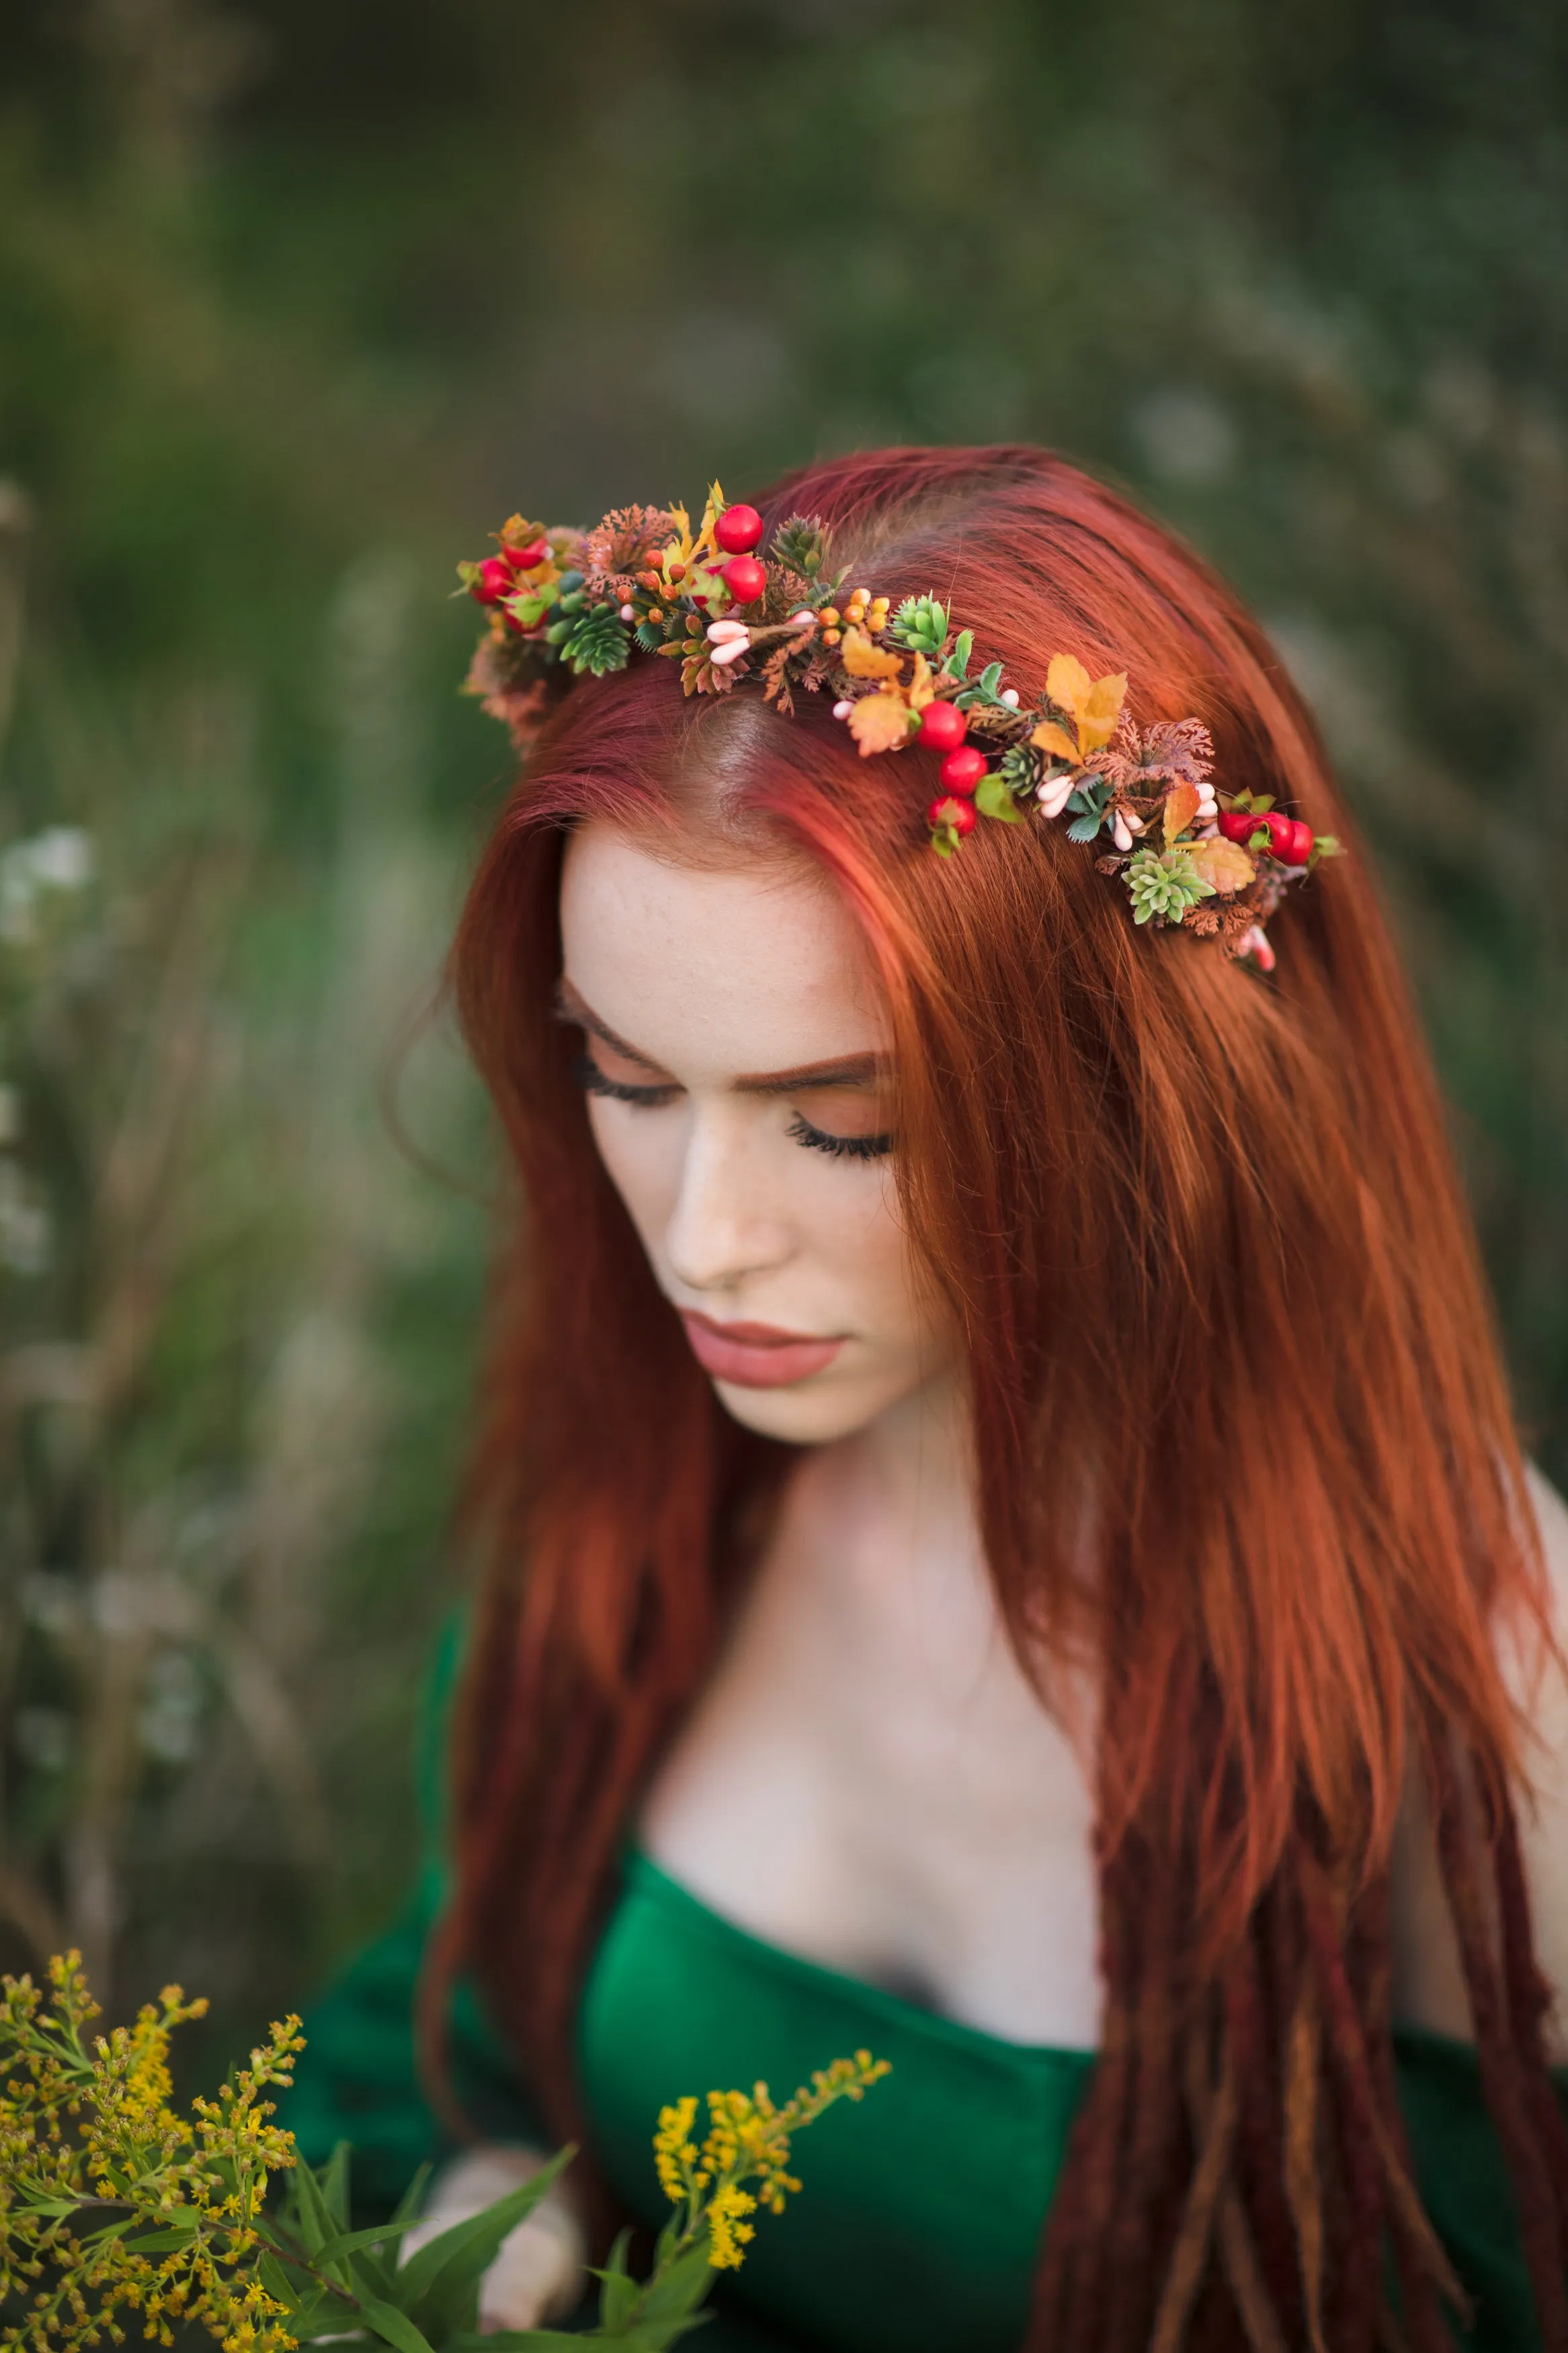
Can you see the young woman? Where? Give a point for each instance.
(1005, 1538)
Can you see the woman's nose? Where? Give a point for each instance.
(721, 1231)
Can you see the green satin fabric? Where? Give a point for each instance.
(917, 2226)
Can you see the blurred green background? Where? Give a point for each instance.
(297, 300)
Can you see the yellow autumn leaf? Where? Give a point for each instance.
(1101, 708)
(919, 691)
(862, 659)
(1049, 737)
(1223, 865)
(879, 722)
(1181, 808)
(1068, 684)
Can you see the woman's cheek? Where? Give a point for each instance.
(641, 1153)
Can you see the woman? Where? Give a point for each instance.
(1006, 1542)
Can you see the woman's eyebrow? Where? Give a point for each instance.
(845, 1071)
(862, 1069)
(575, 1009)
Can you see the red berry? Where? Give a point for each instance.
(946, 810)
(1300, 848)
(491, 581)
(943, 727)
(1281, 836)
(961, 770)
(745, 578)
(523, 559)
(738, 529)
(1239, 825)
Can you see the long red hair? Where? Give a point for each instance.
(1203, 1238)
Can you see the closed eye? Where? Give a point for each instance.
(596, 1082)
(844, 1147)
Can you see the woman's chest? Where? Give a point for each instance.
(871, 1781)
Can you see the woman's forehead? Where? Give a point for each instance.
(715, 970)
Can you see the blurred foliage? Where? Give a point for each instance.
(295, 299)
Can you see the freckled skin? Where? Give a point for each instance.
(712, 976)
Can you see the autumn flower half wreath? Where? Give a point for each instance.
(561, 599)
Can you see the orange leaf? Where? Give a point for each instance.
(1068, 684)
(1223, 865)
(862, 659)
(879, 722)
(1102, 709)
(919, 691)
(1181, 808)
(1048, 737)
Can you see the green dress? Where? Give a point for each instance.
(918, 2224)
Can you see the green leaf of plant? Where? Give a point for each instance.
(314, 2217)
(617, 2289)
(349, 2243)
(957, 664)
(1084, 828)
(393, 2327)
(296, 2292)
(990, 677)
(411, 2205)
(678, 2291)
(518, 2340)
(993, 799)
(439, 2284)
(335, 2181)
(311, 2318)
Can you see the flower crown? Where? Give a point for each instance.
(1217, 864)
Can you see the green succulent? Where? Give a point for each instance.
(920, 624)
(597, 640)
(1162, 885)
(802, 544)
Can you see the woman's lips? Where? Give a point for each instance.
(754, 1356)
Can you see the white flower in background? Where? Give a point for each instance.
(61, 857)
(25, 1230)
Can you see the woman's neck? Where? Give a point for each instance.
(912, 1468)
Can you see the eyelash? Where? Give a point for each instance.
(842, 1147)
(590, 1077)
(800, 1130)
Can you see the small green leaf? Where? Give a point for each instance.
(411, 2205)
(1084, 828)
(617, 2289)
(393, 2327)
(335, 2181)
(678, 2291)
(993, 799)
(957, 662)
(990, 679)
(312, 2213)
(440, 2281)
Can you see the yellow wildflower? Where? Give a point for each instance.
(729, 2233)
(675, 2156)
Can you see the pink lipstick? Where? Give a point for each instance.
(756, 1355)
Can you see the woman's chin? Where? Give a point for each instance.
(811, 1413)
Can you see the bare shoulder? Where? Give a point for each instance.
(1429, 1986)
(1543, 1690)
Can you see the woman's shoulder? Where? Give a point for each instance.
(1541, 1685)
(1429, 1986)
